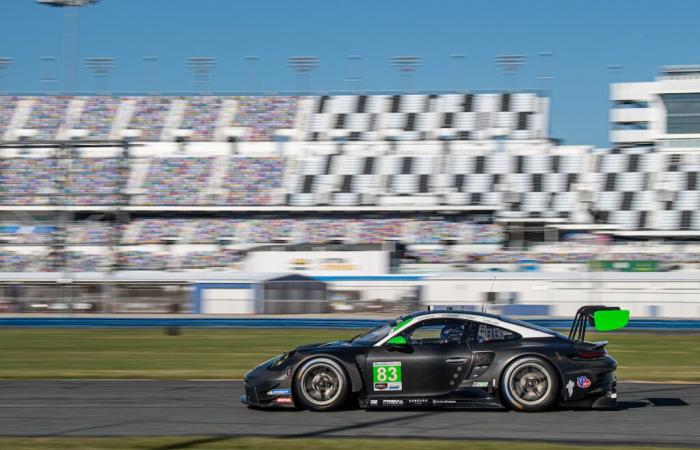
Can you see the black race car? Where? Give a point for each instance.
(447, 358)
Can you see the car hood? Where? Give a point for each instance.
(323, 345)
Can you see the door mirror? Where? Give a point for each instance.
(397, 340)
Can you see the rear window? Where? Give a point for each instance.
(522, 323)
(482, 333)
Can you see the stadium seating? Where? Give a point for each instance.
(28, 181)
(419, 117)
(149, 116)
(414, 117)
(47, 115)
(98, 115)
(201, 117)
(176, 181)
(263, 115)
(253, 181)
(482, 157)
(94, 181)
(7, 110)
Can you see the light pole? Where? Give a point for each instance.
(100, 68)
(252, 63)
(510, 64)
(406, 66)
(547, 78)
(48, 74)
(70, 38)
(150, 65)
(615, 70)
(545, 75)
(201, 67)
(458, 60)
(5, 63)
(354, 78)
(303, 66)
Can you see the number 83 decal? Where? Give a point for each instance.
(386, 376)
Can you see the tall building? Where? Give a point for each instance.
(664, 113)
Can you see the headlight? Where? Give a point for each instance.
(280, 360)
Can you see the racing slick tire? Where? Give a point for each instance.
(530, 384)
(321, 384)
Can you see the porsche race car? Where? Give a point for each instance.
(452, 358)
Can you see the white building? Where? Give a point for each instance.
(664, 112)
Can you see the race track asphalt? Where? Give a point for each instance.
(647, 414)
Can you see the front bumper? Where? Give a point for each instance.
(268, 389)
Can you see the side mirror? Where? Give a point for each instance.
(397, 341)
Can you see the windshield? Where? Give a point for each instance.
(373, 336)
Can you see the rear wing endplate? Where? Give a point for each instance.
(603, 318)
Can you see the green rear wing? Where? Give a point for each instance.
(603, 318)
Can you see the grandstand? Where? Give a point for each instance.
(460, 180)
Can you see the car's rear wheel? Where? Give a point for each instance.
(321, 385)
(530, 384)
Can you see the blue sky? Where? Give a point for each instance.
(585, 37)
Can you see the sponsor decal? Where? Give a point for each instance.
(392, 402)
(444, 402)
(570, 388)
(373, 402)
(336, 264)
(299, 264)
(386, 376)
(418, 401)
(583, 382)
(480, 384)
(279, 392)
(283, 400)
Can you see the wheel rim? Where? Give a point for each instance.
(321, 384)
(530, 384)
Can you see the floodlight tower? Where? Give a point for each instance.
(201, 67)
(49, 77)
(100, 68)
(545, 75)
(303, 66)
(252, 62)
(614, 71)
(458, 60)
(547, 78)
(151, 74)
(70, 38)
(5, 63)
(406, 66)
(510, 64)
(354, 78)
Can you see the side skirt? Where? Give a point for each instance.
(428, 402)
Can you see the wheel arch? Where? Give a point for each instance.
(350, 369)
(512, 358)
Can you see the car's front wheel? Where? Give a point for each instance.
(321, 385)
(530, 384)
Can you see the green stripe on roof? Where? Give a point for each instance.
(402, 324)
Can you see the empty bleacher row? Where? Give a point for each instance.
(468, 116)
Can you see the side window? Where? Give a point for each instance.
(436, 331)
(482, 333)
